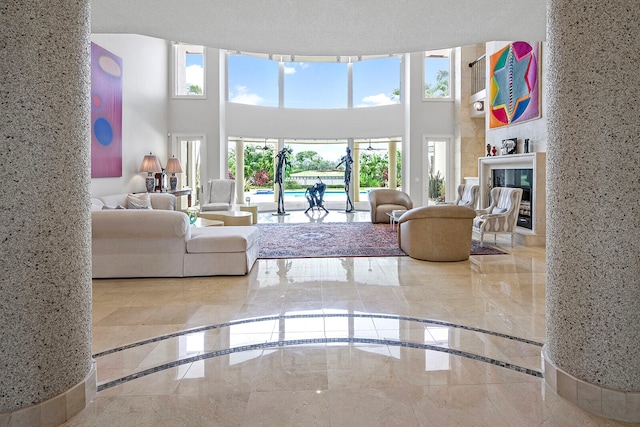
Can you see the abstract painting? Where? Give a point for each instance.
(514, 89)
(106, 113)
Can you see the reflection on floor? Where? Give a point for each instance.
(332, 341)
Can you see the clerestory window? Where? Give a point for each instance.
(437, 74)
(189, 71)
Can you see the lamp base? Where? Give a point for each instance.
(173, 182)
(150, 183)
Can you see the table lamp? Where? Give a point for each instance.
(173, 167)
(150, 165)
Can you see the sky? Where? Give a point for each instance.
(254, 81)
(312, 84)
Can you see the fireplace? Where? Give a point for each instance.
(518, 178)
(526, 171)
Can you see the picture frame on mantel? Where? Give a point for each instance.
(514, 84)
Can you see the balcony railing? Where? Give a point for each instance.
(478, 75)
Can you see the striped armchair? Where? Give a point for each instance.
(501, 217)
(467, 195)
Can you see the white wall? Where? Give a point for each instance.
(144, 107)
(534, 130)
(371, 122)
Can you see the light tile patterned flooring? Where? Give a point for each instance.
(343, 342)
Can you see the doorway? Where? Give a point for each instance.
(189, 149)
(437, 170)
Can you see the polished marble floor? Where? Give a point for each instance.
(329, 342)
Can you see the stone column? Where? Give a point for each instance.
(47, 373)
(355, 172)
(239, 171)
(393, 165)
(592, 351)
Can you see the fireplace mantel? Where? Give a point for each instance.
(536, 161)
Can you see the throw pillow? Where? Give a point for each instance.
(497, 210)
(138, 201)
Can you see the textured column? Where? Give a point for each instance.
(592, 352)
(45, 250)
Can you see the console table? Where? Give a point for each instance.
(182, 192)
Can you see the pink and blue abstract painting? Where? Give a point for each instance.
(106, 113)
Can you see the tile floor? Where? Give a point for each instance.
(329, 342)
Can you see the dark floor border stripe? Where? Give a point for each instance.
(308, 316)
(286, 343)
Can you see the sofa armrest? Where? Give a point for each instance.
(134, 223)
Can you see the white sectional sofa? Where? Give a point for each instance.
(160, 242)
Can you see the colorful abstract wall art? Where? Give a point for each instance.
(514, 89)
(106, 113)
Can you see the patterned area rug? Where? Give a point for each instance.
(336, 239)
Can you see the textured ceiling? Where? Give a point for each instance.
(326, 27)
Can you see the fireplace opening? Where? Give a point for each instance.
(518, 178)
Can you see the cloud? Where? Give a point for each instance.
(289, 70)
(376, 100)
(195, 75)
(242, 96)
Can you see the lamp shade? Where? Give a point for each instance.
(150, 164)
(173, 166)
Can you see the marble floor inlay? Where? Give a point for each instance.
(377, 341)
(350, 339)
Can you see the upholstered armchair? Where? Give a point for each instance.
(467, 195)
(219, 194)
(386, 200)
(501, 217)
(436, 233)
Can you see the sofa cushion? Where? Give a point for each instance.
(222, 239)
(96, 204)
(138, 201)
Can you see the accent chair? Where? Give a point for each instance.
(384, 200)
(219, 195)
(436, 233)
(501, 217)
(467, 195)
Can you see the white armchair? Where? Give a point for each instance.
(501, 217)
(219, 194)
(467, 195)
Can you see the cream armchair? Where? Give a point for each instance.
(501, 217)
(386, 200)
(436, 233)
(219, 195)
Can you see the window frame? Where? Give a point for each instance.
(177, 61)
(425, 56)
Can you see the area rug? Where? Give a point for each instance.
(336, 239)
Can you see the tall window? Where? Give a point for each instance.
(437, 74)
(315, 85)
(189, 74)
(376, 82)
(252, 80)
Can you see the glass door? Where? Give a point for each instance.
(437, 170)
(189, 148)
